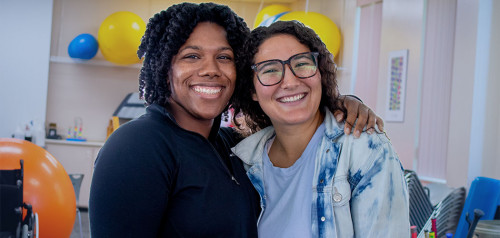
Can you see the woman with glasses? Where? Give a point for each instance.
(312, 178)
(169, 173)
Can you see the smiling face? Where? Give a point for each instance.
(203, 75)
(293, 101)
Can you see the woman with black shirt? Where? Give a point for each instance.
(170, 173)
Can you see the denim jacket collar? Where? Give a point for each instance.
(251, 148)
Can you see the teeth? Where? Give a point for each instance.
(207, 90)
(293, 98)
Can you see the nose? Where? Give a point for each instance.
(289, 79)
(209, 68)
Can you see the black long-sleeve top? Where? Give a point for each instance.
(155, 179)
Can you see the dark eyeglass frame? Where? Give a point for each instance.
(283, 63)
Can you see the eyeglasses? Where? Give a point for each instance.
(271, 72)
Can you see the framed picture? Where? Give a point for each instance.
(396, 86)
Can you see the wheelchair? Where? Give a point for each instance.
(12, 222)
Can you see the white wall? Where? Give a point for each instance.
(24, 65)
(461, 96)
(492, 165)
(484, 157)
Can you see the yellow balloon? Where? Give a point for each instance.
(321, 24)
(119, 37)
(269, 11)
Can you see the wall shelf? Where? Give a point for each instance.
(96, 62)
(80, 143)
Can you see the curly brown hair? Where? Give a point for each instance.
(168, 30)
(242, 98)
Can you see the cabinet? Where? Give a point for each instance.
(76, 158)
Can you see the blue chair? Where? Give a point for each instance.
(484, 194)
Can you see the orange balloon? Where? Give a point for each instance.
(47, 186)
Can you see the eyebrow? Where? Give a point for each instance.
(194, 47)
(302, 56)
(267, 62)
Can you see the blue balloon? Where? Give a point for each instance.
(84, 47)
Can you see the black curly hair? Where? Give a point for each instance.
(256, 119)
(168, 30)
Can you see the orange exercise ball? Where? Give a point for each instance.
(47, 186)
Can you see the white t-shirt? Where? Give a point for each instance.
(288, 193)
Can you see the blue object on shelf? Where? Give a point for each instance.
(484, 194)
(83, 47)
(76, 139)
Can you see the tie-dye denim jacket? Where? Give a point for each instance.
(359, 188)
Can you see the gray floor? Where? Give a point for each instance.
(85, 225)
(438, 192)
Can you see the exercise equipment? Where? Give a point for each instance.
(119, 37)
(83, 47)
(47, 186)
(321, 24)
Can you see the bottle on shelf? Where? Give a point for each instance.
(39, 133)
(28, 135)
(18, 133)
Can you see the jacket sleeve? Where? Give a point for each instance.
(379, 199)
(130, 187)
